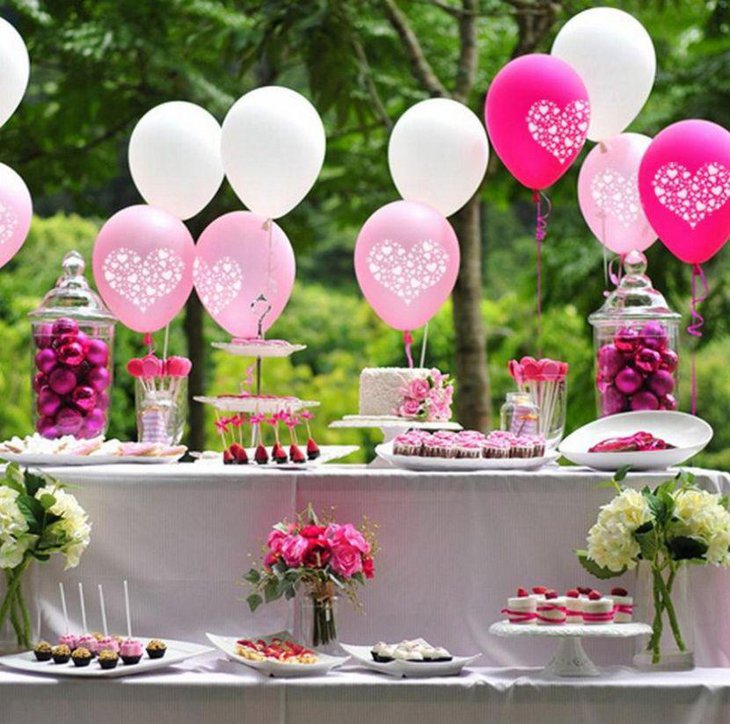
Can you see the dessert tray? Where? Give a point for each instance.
(328, 453)
(260, 347)
(570, 658)
(439, 464)
(687, 433)
(177, 651)
(267, 404)
(271, 667)
(409, 669)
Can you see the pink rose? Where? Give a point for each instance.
(275, 540)
(418, 390)
(346, 560)
(437, 377)
(270, 559)
(349, 535)
(409, 408)
(293, 550)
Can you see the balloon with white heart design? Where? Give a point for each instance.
(537, 114)
(608, 194)
(614, 55)
(684, 185)
(143, 266)
(239, 257)
(175, 157)
(15, 66)
(406, 262)
(16, 211)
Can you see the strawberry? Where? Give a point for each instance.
(539, 589)
(618, 591)
(296, 455)
(228, 458)
(573, 593)
(584, 590)
(552, 593)
(239, 454)
(312, 449)
(279, 454)
(522, 592)
(595, 595)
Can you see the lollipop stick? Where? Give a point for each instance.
(63, 605)
(103, 611)
(83, 607)
(126, 606)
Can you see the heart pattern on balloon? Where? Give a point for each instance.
(407, 273)
(219, 285)
(143, 281)
(692, 197)
(8, 223)
(617, 195)
(561, 132)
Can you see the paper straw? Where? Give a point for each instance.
(126, 606)
(83, 607)
(103, 611)
(63, 605)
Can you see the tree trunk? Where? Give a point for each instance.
(472, 401)
(196, 382)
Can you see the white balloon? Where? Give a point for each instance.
(15, 66)
(613, 54)
(174, 157)
(438, 154)
(272, 146)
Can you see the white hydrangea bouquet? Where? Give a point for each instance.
(674, 524)
(37, 519)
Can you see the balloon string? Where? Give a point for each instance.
(698, 321)
(540, 234)
(407, 342)
(423, 345)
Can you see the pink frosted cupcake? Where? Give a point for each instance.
(522, 447)
(89, 642)
(131, 651)
(69, 640)
(468, 449)
(407, 444)
(435, 447)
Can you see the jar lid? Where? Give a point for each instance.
(634, 297)
(72, 296)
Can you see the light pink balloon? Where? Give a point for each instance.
(406, 262)
(684, 183)
(143, 266)
(608, 194)
(537, 114)
(237, 259)
(16, 211)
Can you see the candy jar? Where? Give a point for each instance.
(636, 341)
(519, 415)
(73, 334)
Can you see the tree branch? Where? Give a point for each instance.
(468, 55)
(534, 21)
(378, 105)
(420, 67)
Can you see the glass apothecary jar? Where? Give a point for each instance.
(636, 337)
(72, 345)
(519, 414)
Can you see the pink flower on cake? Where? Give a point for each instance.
(294, 549)
(346, 560)
(418, 390)
(409, 408)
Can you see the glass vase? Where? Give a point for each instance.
(317, 627)
(161, 409)
(663, 601)
(19, 629)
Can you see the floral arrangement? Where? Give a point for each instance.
(665, 528)
(37, 519)
(427, 398)
(321, 556)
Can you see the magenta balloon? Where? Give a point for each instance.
(143, 266)
(406, 262)
(16, 210)
(684, 183)
(537, 115)
(238, 259)
(608, 194)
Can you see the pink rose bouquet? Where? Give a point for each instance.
(427, 398)
(321, 556)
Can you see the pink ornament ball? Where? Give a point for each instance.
(668, 402)
(626, 340)
(39, 381)
(670, 360)
(644, 400)
(610, 361)
(628, 381)
(612, 401)
(95, 423)
(97, 352)
(69, 421)
(654, 335)
(43, 335)
(45, 359)
(71, 354)
(98, 378)
(84, 397)
(661, 383)
(647, 360)
(48, 402)
(65, 326)
(102, 401)
(47, 427)
(62, 380)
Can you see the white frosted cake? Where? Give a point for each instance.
(381, 388)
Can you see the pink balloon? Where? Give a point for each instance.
(238, 258)
(16, 210)
(143, 266)
(406, 262)
(608, 194)
(537, 115)
(684, 183)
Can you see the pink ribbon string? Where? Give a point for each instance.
(519, 616)
(541, 222)
(407, 343)
(697, 321)
(594, 617)
(623, 608)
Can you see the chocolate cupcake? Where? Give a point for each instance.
(81, 656)
(108, 659)
(42, 651)
(131, 651)
(156, 649)
(61, 654)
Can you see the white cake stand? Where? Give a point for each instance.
(570, 658)
(253, 404)
(391, 425)
(260, 348)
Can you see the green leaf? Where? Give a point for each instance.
(32, 511)
(253, 576)
(254, 601)
(272, 590)
(47, 501)
(621, 473)
(594, 569)
(40, 556)
(14, 478)
(684, 548)
(685, 479)
(34, 482)
(646, 537)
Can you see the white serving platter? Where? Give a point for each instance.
(418, 463)
(327, 453)
(61, 460)
(227, 644)
(265, 405)
(409, 669)
(392, 421)
(263, 349)
(177, 651)
(689, 435)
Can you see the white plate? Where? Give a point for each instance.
(177, 651)
(264, 405)
(689, 435)
(61, 460)
(253, 349)
(416, 462)
(409, 669)
(327, 453)
(227, 644)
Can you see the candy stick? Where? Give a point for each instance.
(103, 611)
(83, 607)
(126, 606)
(63, 605)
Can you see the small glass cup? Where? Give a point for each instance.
(519, 414)
(161, 409)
